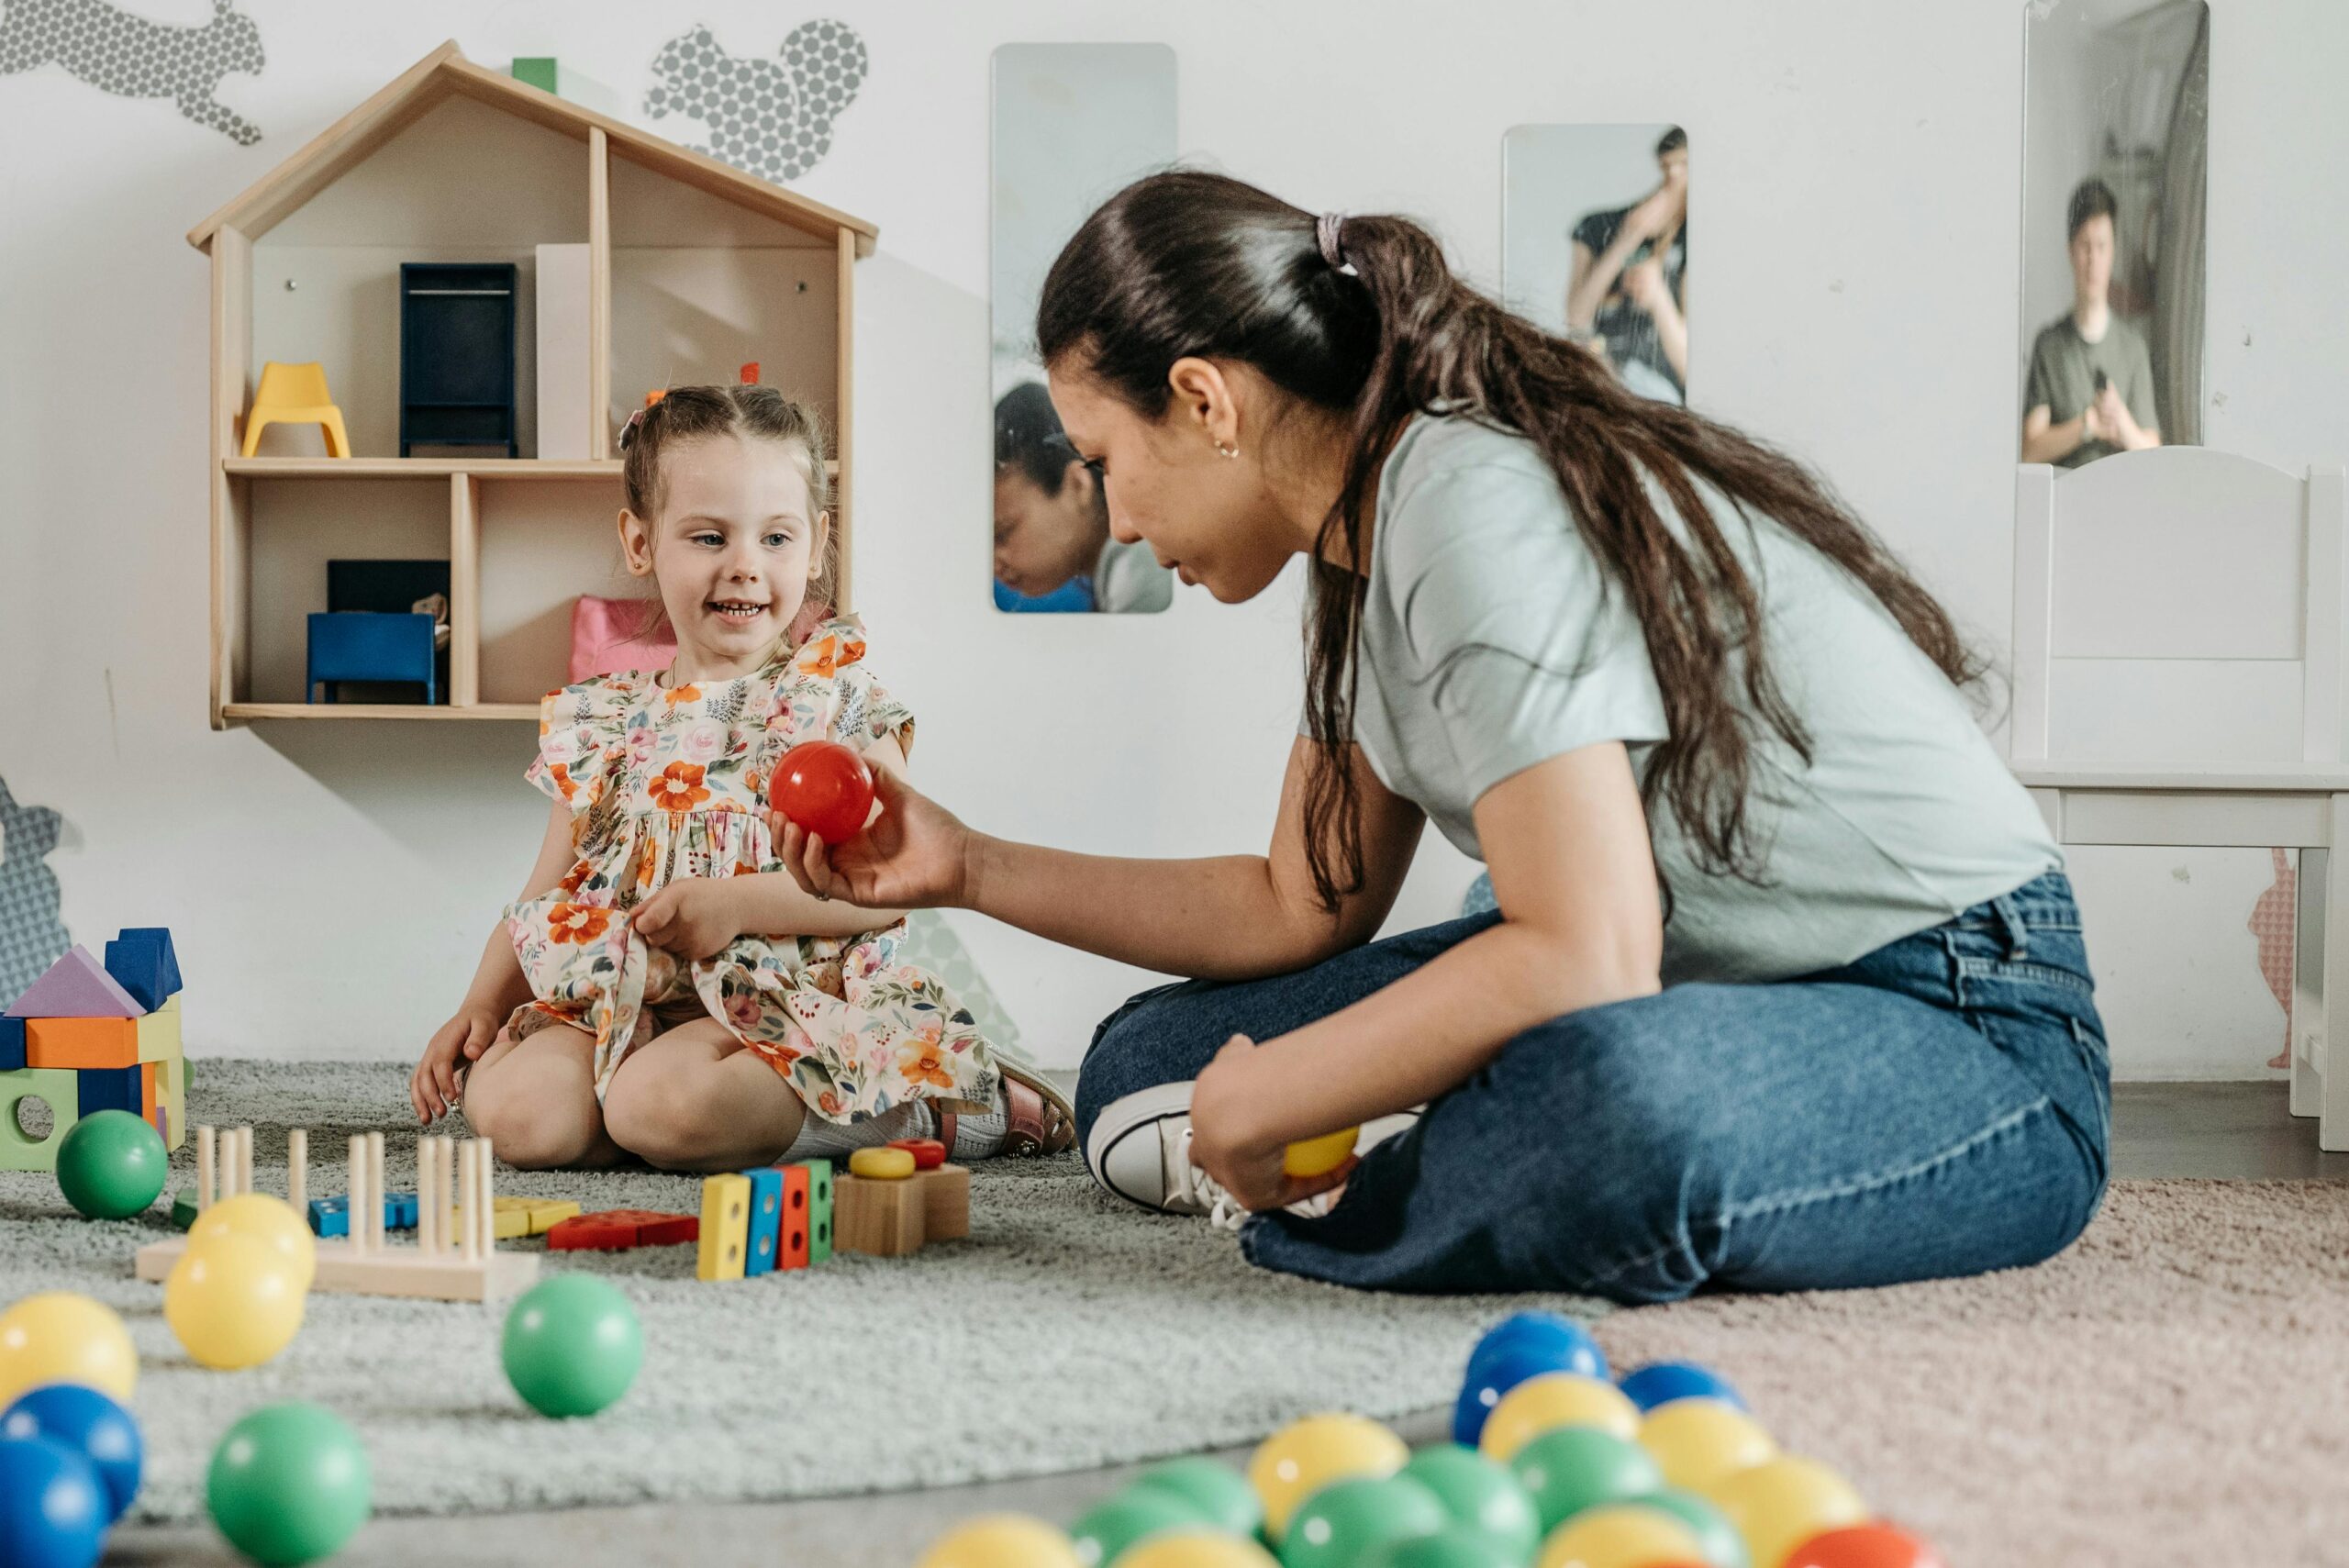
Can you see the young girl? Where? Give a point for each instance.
(662, 988)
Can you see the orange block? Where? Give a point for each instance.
(81, 1042)
(149, 1087)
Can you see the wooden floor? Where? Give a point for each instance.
(2228, 1130)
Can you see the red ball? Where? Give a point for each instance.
(1873, 1545)
(929, 1152)
(823, 787)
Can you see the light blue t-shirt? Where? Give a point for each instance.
(1493, 638)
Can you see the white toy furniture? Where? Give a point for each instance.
(2179, 681)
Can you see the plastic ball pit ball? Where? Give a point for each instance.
(572, 1345)
(111, 1165)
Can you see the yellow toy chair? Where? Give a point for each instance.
(295, 394)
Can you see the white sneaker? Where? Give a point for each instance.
(1140, 1151)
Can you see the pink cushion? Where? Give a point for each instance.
(609, 636)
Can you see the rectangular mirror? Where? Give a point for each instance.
(2116, 121)
(1074, 124)
(1594, 244)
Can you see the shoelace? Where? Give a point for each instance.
(1194, 1186)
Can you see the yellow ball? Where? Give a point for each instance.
(233, 1302)
(268, 1220)
(1552, 1400)
(1319, 1156)
(1620, 1535)
(1001, 1541)
(1781, 1503)
(882, 1165)
(59, 1337)
(1697, 1442)
(1196, 1551)
(1305, 1456)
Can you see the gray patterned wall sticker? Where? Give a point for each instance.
(32, 935)
(118, 52)
(768, 119)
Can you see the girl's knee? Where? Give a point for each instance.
(662, 1121)
(529, 1131)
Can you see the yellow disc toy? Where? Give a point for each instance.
(1697, 1442)
(59, 1337)
(882, 1165)
(268, 1220)
(1781, 1503)
(1001, 1541)
(1305, 1456)
(1184, 1549)
(1319, 1156)
(233, 1302)
(1555, 1399)
(1622, 1535)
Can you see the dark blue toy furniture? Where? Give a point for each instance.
(457, 325)
(356, 645)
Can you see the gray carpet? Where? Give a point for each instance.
(1068, 1332)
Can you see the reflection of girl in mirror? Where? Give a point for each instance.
(1627, 295)
(2090, 393)
(1053, 547)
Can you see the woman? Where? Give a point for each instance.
(1786, 988)
(1052, 525)
(1627, 284)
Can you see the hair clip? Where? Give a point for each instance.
(628, 431)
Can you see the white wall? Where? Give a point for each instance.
(331, 885)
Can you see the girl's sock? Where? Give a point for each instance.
(981, 1137)
(821, 1139)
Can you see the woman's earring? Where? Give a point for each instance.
(1228, 451)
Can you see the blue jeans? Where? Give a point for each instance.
(1938, 1108)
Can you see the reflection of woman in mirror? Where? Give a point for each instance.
(1627, 294)
(2091, 387)
(1706, 733)
(1052, 546)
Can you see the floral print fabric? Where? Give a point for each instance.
(668, 782)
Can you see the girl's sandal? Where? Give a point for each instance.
(1038, 1118)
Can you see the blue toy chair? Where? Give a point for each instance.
(360, 645)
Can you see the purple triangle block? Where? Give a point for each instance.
(77, 987)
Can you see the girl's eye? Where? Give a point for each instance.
(777, 541)
(706, 536)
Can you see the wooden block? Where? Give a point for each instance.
(725, 1227)
(330, 1217)
(668, 1230)
(791, 1244)
(149, 1088)
(81, 1042)
(762, 1241)
(505, 1224)
(399, 1211)
(158, 1033)
(53, 1086)
(173, 1107)
(76, 986)
(819, 1208)
(878, 1216)
(12, 1044)
(142, 962)
(385, 1271)
(106, 1089)
(544, 1214)
(946, 1201)
(183, 1211)
(590, 1232)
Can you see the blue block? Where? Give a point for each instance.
(143, 964)
(12, 1044)
(766, 1221)
(361, 645)
(330, 1215)
(107, 1089)
(399, 1211)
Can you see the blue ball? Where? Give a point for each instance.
(1567, 1345)
(52, 1506)
(91, 1425)
(1492, 1376)
(1660, 1383)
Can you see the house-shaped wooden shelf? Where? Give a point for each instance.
(693, 269)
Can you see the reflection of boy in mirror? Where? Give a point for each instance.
(2091, 387)
(1627, 294)
(1051, 521)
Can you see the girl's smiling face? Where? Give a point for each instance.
(732, 553)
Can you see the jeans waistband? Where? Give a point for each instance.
(2043, 904)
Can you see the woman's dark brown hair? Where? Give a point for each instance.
(1192, 263)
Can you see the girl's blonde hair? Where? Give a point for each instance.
(686, 414)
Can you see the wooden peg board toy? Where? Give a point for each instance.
(455, 1257)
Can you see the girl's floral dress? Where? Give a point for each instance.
(665, 783)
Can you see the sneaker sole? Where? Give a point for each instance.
(1135, 1115)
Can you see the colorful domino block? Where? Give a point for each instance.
(12, 1044)
(667, 1229)
(108, 1089)
(791, 1245)
(183, 1211)
(725, 1227)
(591, 1232)
(330, 1215)
(819, 1208)
(761, 1242)
(81, 1042)
(53, 1086)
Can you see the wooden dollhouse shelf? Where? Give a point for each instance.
(692, 269)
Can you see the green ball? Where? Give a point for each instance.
(289, 1483)
(1133, 1514)
(1219, 1494)
(111, 1164)
(1574, 1468)
(572, 1345)
(1346, 1520)
(1459, 1547)
(1480, 1494)
(1724, 1547)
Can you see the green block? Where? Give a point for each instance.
(819, 1210)
(537, 71)
(61, 1089)
(183, 1211)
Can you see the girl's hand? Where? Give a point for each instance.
(1227, 1102)
(913, 854)
(454, 1046)
(1657, 211)
(1643, 281)
(691, 917)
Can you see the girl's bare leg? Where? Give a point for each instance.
(697, 1099)
(535, 1100)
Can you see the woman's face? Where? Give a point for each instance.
(1208, 517)
(1040, 540)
